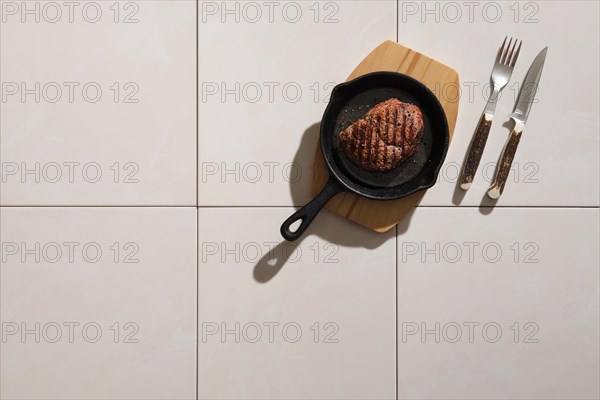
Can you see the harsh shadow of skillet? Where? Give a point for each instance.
(344, 233)
(304, 158)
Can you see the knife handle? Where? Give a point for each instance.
(475, 151)
(505, 163)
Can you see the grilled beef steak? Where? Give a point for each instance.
(385, 136)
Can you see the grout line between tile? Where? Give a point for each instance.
(197, 108)
(397, 20)
(197, 316)
(290, 206)
(96, 206)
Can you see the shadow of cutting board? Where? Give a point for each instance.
(381, 216)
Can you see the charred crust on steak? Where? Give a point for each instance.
(386, 135)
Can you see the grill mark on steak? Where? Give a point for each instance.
(386, 135)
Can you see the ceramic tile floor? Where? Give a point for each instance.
(151, 149)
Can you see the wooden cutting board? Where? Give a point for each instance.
(381, 216)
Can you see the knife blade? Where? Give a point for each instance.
(529, 88)
(520, 114)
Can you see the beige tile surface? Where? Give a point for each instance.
(498, 306)
(557, 162)
(98, 303)
(98, 112)
(329, 300)
(210, 303)
(264, 84)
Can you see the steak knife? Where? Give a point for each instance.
(519, 116)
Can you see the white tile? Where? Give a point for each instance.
(340, 276)
(537, 268)
(142, 142)
(256, 146)
(557, 160)
(146, 279)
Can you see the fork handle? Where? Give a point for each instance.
(475, 151)
(505, 163)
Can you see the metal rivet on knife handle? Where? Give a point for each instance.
(505, 163)
(475, 151)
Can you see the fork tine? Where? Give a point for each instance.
(510, 53)
(504, 56)
(501, 50)
(513, 61)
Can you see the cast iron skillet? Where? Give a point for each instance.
(350, 101)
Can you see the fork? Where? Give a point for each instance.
(503, 67)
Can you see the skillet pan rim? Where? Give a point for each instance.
(342, 178)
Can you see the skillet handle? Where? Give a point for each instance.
(307, 213)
